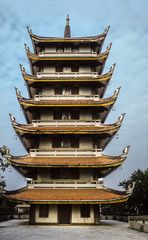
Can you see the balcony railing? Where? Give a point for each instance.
(67, 53)
(66, 122)
(64, 184)
(66, 152)
(66, 97)
(66, 74)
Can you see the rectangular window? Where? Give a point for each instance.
(65, 142)
(85, 211)
(43, 210)
(64, 173)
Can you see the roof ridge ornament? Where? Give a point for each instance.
(26, 47)
(12, 118)
(109, 47)
(125, 151)
(22, 69)
(112, 67)
(130, 188)
(67, 32)
(29, 29)
(120, 118)
(107, 29)
(116, 92)
(18, 93)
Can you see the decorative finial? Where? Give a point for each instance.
(26, 47)
(112, 67)
(22, 69)
(18, 93)
(116, 92)
(29, 29)
(106, 29)
(120, 119)
(67, 33)
(12, 118)
(131, 188)
(126, 150)
(109, 47)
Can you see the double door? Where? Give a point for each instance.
(64, 214)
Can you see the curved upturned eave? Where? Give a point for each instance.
(39, 39)
(48, 103)
(99, 57)
(68, 162)
(68, 196)
(100, 79)
(30, 129)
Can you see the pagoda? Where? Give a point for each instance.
(66, 134)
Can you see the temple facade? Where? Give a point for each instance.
(66, 134)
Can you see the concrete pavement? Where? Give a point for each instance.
(108, 230)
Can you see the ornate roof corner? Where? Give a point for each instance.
(13, 119)
(18, 93)
(22, 69)
(131, 188)
(29, 30)
(112, 67)
(26, 48)
(109, 47)
(125, 151)
(67, 32)
(106, 29)
(120, 119)
(116, 92)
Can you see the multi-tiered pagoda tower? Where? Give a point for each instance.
(65, 134)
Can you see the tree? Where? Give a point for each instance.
(4, 163)
(137, 203)
(6, 207)
(138, 200)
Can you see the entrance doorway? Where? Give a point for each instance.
(64, 214)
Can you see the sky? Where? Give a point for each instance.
(129, 35)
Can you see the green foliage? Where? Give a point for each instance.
(4, 163)
(138, 201)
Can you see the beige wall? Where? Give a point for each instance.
(86, 91)
(46, 115)
(45, 176)
(84, 49)
(76, 217)
(48, 69)
(86, 142)
(85, 69)
(50, 49)
(86, 175)
(52, 217)
(45, 142)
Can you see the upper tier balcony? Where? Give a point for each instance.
(65, 184)
(67, 74)
(66, 152)
(66, 122)
(66, 97)
(68, 52)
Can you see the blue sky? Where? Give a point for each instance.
(129, 35)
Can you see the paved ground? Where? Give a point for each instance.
(109, 230)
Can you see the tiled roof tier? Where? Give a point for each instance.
(39, 39)
(67, 57)
(61, 78)
(87, 161)
(68, 196)
(52, 129)
(107, 102)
